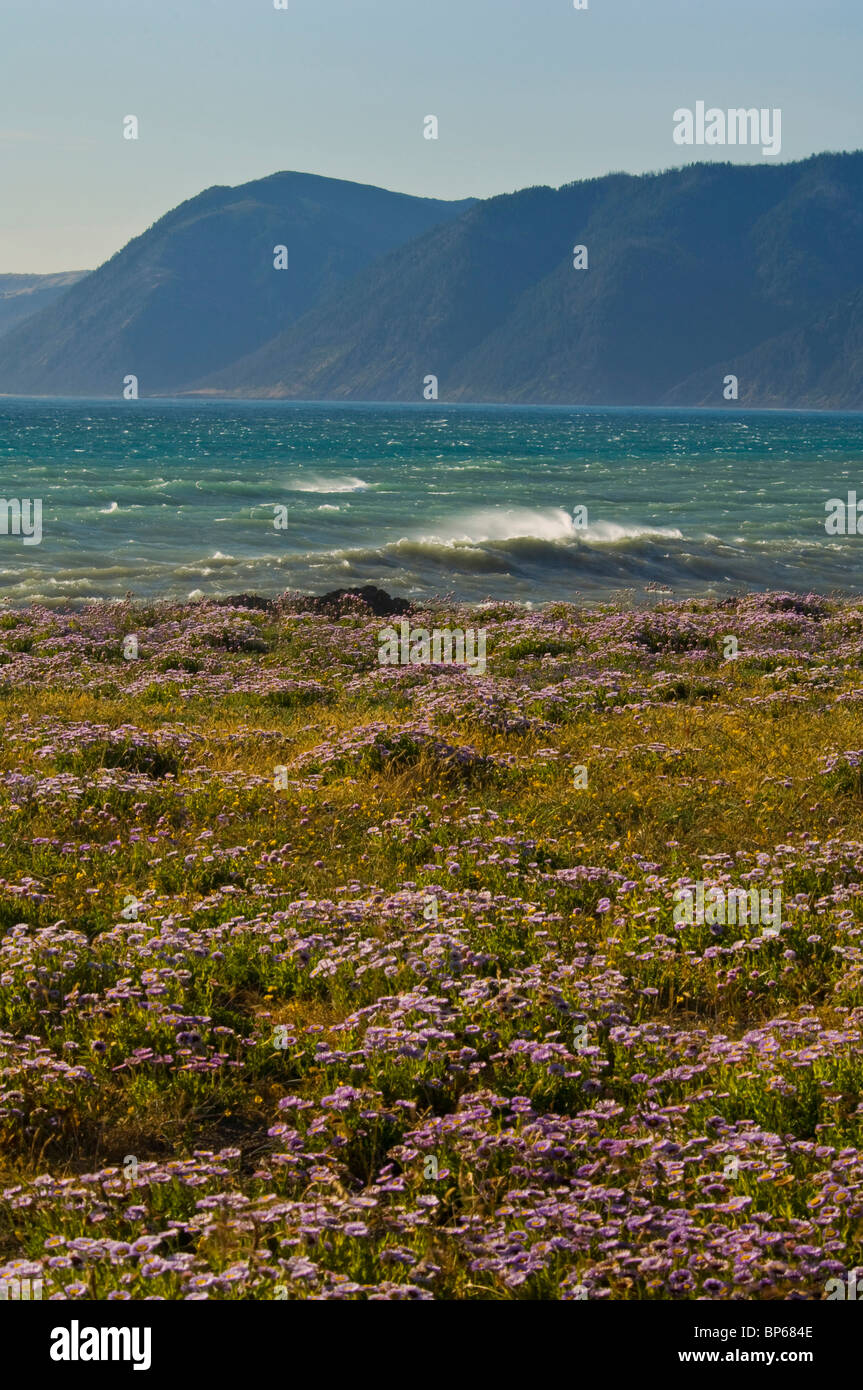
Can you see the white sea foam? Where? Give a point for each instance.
(316, 483)
(551, 524)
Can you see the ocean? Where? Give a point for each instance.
(179, 498)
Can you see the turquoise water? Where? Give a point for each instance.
(169, 498)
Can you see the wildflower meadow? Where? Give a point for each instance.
(326, 979)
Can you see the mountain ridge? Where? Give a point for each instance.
(690, 271)
(198, 288)
(694, 274)
(22, 295)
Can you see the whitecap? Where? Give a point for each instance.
(551, 524)
(316, 483)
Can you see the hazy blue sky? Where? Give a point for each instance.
(526, 91)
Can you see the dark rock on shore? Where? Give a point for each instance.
(265, 605)
(336, 603)
(343, 600)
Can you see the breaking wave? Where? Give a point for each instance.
(315, 483)
(550, 524)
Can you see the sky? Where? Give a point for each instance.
(525, 92)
